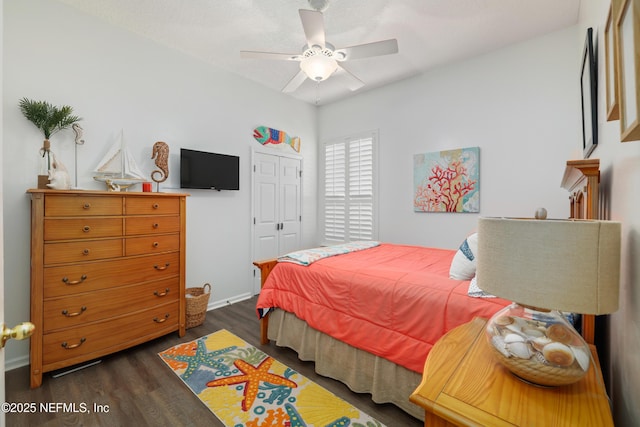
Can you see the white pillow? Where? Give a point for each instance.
(475, 291)
(463, 265)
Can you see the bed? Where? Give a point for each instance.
(369, 316)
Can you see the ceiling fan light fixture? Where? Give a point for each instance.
(318, 66)
(319, 5)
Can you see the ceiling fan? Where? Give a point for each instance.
(320, 59)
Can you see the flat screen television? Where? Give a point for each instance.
(213, 171)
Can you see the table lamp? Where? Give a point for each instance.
(546, 266)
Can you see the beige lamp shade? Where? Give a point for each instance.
(567, 265)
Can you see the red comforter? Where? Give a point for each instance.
(394, 301)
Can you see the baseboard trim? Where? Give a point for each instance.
(225, 302)
(16, 362)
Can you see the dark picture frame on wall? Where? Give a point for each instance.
(589, 90)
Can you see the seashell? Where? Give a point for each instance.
(558, 354)
(513, 338)
(503, 320)
(560, 333)
(540, 342)
(539, 357)
(520, 322)
(498, 343)
(533, 332)
(514, 327)
(582, 357)
(519, 349)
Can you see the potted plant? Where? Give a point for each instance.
(49, 119)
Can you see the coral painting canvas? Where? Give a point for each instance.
(447, 181)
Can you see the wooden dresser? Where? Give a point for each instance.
(107, 273)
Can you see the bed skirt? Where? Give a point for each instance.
(362, 372)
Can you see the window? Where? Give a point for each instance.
(349, 189)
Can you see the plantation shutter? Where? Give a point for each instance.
(349, 190)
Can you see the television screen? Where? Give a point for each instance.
(200, 169)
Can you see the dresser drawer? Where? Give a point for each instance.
(151, 244)
(91, 276)
(86, 250)
(151, 205)
(151, 225)
(99, 338)
(81, 205)
(81, 228)
(81, 308)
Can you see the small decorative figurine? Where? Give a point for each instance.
(161, 155)
(79, 133)
(58, 176)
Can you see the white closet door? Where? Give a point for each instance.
(290, 215)
(277, 211)
(266, 206)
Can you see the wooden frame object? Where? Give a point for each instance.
(582, 178)
(610, 62)
(628, 48)
(265, 267)
(589, 89)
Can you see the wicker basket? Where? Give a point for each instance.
(197, 301)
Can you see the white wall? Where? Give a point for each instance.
(620, 180)
(117, 80)
(520, 105)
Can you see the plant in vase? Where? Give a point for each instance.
(49, 119)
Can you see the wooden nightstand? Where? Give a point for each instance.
(464, 385)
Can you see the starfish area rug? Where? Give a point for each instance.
(243, 386)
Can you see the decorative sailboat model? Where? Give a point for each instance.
(118, 169)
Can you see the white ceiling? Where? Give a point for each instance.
(429, 33)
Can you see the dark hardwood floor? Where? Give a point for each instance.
(137, 388)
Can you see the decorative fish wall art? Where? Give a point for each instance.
(266, 135)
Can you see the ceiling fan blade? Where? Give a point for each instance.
(384, 47)
(245, 54)
(313, 24)
(295, 82)
(353, 83)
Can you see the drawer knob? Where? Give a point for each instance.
(156, 225)
(156, 206)
(162, 320)
(72, 346)
(86, 228)
(74, 282)
(85, 252)
(161, 294)
(158, 267)
(77, 313)
(156, 244)
(86, 206)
